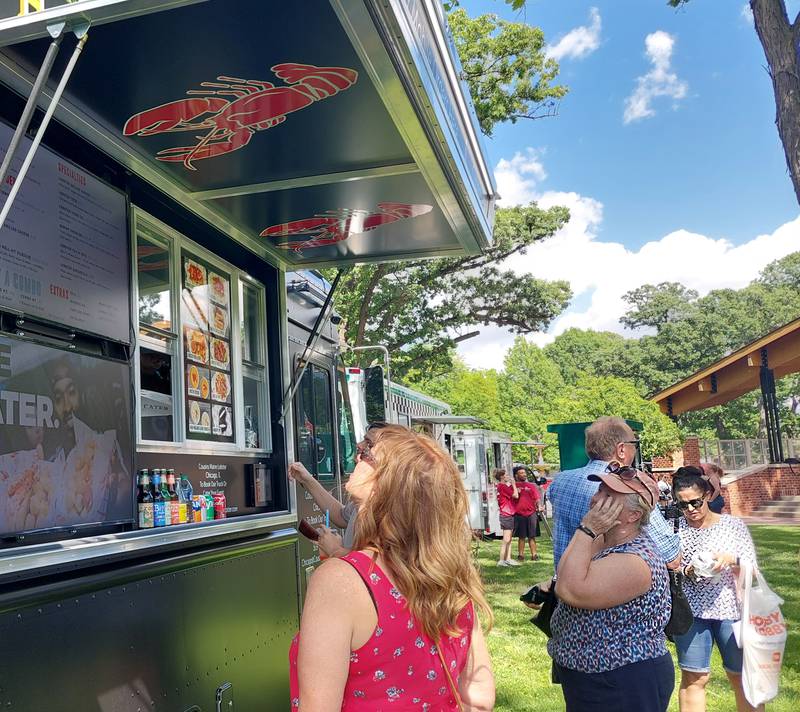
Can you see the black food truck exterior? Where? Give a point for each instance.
(171, 165)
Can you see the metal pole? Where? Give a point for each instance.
(313, 337)
(30, 105)
(40, 131)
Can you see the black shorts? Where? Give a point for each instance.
(507, 522)
(526, 527)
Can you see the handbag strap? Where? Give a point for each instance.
(453, 688)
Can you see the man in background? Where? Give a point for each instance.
(526, 518)
(607, 439)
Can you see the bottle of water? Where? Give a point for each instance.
(185, 494)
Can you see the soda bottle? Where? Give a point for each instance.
(159, 505)
(167, 498)
(174, 511)
(186, 493)
(144, 501)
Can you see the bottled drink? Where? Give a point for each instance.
(185, 491)
(144, 501)
(159, 505)
(167, 498)
(174, 511)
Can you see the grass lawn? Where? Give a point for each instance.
(519, 655)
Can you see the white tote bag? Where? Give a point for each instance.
(761, 634)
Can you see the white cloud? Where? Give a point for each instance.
(747, 14)
(579, 42)
(659, 81)
(601, 272)
(517, 178)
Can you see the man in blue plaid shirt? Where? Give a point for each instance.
(570, 494)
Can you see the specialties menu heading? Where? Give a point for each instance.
(64, 246)
(205, 319)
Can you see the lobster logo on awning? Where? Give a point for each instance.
(230, 123)
(336, 225)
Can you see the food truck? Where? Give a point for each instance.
(477, 453)
(168, 167)
(375, 397)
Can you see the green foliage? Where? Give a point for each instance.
(420, 310)
(691, 333)
(597, 353)
(530, 386)
(467, 391)
(594, 396)
(505, 67)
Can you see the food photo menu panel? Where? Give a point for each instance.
(206, 323)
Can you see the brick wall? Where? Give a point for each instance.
(746, 493)
(691, 451)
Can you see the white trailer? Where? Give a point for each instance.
(477, 453)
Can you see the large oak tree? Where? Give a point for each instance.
(780, 38)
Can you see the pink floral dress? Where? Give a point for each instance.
(398, 668)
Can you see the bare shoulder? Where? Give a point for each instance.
(336, 573)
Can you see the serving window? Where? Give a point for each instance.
(201, 358)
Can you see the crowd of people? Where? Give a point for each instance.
(396, 618)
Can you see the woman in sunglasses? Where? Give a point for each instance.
(608, 645)
(393, 624)
(713, 547)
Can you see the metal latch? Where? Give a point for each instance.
(224, 705)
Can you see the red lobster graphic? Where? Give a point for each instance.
(337, 225)
(230, 124)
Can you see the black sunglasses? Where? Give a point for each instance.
(695, 503)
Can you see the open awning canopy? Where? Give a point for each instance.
(736, 374)
(447, 420)
(318, 132)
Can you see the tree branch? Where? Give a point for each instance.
(363, 312)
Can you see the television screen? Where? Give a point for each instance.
(65, 439)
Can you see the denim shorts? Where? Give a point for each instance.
(694, 646)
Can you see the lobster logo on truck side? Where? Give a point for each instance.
(336, 225)
(231, 123)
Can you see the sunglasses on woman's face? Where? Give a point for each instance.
(693, 503)
(364, 452)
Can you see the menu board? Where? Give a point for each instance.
(206, 324)
(64, 246)
(65, 439)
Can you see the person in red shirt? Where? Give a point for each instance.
(526, 517)
(507, 494)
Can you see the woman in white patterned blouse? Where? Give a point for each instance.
(713, 547)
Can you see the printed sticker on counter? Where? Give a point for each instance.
(223, 421)
(199, 417)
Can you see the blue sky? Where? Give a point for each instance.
(695, 177)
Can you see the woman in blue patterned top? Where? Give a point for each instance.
(713, 546)
(608, 644)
